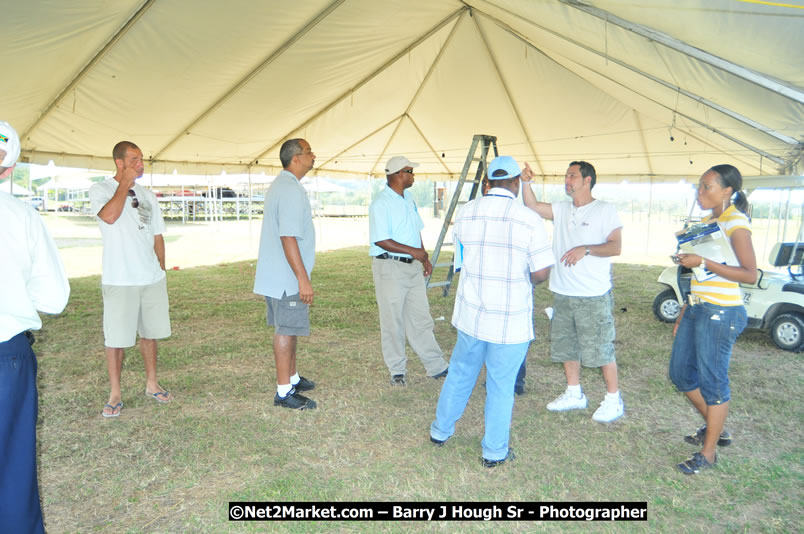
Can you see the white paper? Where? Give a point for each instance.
(709, 241)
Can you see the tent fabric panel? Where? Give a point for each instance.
(741, 96)
(702, 144)
(549, 79)
(723, 27)
(326, 62)
(595, 123)
(361, 157)
(116, 98)
(464, 94)
(408, 141)
(46, 43)
(376, 102)
(579, 59)
(734, 93)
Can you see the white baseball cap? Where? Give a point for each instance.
(10, 142)
(397, 163)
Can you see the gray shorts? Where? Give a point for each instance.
(132, 310)
(289, 315)
(582, 330)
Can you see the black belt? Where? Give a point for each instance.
(386, 256)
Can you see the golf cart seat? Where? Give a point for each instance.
(790, 255)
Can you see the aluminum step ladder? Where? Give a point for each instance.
(481, 144)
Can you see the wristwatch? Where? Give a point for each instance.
(587, 251)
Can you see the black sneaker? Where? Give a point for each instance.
(519, 391)
(697, 438)
(696, 464)
(442, 374)
(304, 384)
(494, 463)
(398, 380)
(437, 442)
(294, 401)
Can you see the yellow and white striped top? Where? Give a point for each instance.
(718, 290)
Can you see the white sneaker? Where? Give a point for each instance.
(609, 410)
(567, 402)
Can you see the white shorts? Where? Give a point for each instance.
(132, 310)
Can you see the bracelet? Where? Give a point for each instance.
(703, 263)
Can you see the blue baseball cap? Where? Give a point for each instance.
(503, 168)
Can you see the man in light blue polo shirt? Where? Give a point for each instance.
(284, 265)
(399, 265)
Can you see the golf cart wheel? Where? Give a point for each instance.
(666, 306)
(787, 331)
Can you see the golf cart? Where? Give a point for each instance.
(775, 302)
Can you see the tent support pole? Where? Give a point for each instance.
(680, 46)
(696, 98)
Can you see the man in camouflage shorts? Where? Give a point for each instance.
(586, 233)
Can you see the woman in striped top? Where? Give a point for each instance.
(709, 325)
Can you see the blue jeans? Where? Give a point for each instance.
(19, 491)
(702, 350)
(502, 364)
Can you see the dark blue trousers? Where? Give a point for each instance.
(19, 491)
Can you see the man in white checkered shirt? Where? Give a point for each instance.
(505, 250)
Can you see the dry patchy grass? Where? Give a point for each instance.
(174, 468)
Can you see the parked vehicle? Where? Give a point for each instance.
(182, 193)
(221, 192)
(38, 203)
(775, 303)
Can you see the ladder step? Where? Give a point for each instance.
(484, 144)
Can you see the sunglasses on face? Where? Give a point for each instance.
(134, 202)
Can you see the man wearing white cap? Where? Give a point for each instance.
(399, 265)
(505, 251)
(31, 279)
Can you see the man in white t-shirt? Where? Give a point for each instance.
(586, 233)
(134, 284)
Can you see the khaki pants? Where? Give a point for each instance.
(132, 310)
(405, 313)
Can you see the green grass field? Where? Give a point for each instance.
(174, 468)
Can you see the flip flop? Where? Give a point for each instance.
(115, 407)
(162, 397)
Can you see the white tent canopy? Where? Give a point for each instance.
(15, 189)
(71, 183)
(648, 90)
